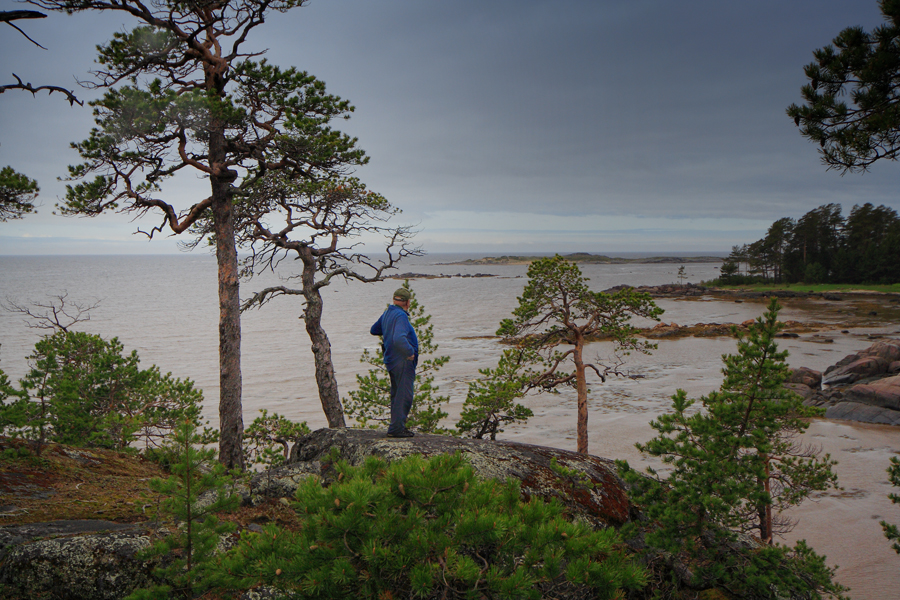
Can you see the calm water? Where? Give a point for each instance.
(165, 307)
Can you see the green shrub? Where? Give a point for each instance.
(428, 528)
(267, 439)
(82, 390)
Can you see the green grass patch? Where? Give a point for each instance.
(816, 287)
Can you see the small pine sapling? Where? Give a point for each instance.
(267, 440)
(492, 399)
(196, 529)
(370, 404)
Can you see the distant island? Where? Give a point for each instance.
(586, 257)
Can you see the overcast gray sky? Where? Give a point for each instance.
(508, 126)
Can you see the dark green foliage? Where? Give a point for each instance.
(17, 194)
(370, 404)
(267, 440)
(557, 308)
(850, 102)
(891, 531)
(823, 247)
(492, 399)
(82, 390)
(733, 467)
(188, 552)
(422, 528)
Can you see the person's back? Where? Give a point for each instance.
(401, 355)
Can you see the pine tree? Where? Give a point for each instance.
(557, 308)
(196, 528)
(892, 532)
(492, 399)
(370, 404)
(734, 467)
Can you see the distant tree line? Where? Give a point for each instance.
(823, 247)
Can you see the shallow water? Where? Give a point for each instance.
(165, 308)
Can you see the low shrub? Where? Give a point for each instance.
(428, 528)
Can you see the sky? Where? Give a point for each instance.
(501, 126)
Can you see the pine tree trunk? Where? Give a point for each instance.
(581, 381)
(321, 348)
(231, 418)
(765, 511)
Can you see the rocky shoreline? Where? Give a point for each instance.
(864, 386)
(588, 258)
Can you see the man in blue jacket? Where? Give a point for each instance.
(401, 355)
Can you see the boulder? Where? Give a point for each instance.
(864, 366)
(94, 560)
(854, 411)
(804, 391)
(807, 377)
(862, 387)
(282, 482)
(884, 393)
(602, 502)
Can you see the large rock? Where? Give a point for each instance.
(873, 361)
(807, 377)
(854, 411)
(862, 386)
(94, 560)
(602, 503)
(884, 393)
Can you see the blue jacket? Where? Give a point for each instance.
(398, 337)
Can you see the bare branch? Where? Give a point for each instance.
(20, 85)
(14, 15)
(57, 314)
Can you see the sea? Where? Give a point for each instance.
(165, 307)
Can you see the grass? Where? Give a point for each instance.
(814, 287)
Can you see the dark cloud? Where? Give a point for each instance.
(628, 108)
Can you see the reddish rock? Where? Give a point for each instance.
(802, 390)
(884, 393)
(807, 377)
(862, 367)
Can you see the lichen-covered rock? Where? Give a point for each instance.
(596, 494)
(283, 481)
(87, 566)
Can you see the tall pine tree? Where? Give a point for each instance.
(734, 467)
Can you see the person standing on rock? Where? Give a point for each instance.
(401, 355)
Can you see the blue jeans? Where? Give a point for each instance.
(403, 376)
